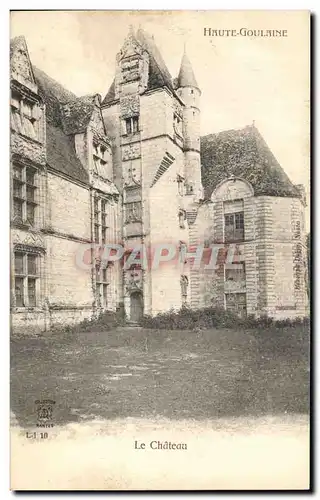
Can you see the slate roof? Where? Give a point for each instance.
(76, 114)
(243, 153)
(159, 75)
(53, 94)
(186, 76)
(110, 96)
(61, 153)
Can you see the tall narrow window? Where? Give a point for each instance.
(24, 194)
(102, 283)
(100, 220)
(26, 276)
(104, 221)
(97, 220)
(234, 227)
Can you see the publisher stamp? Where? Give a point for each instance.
(44, 409)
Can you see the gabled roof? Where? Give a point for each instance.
(159, 75)
(186, 76)
(111, 94)
(243, 153)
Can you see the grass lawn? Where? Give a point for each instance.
(134, 372)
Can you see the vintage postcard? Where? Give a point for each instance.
(160, 249)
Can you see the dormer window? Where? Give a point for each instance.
(132, 125)
(25, 116)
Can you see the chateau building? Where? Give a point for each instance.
(132, 170)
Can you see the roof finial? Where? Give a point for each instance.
(184, 47)
(253, 123)
(131, 31)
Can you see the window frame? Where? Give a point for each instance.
(23, 199)
(25, 276)
(23, 121)
(102, 284)
(132, 125)
(100, 219)
(240, 236)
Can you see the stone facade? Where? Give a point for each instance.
(132, 170)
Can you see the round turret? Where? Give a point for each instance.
(189, 92)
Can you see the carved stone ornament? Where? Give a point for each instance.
(133, 280)
(27, 148)
(130, 152)
(27, 239)
(129, 106)
(96, 123)
(131, 47)
(131, 174)
(20, 63)
(184, 282)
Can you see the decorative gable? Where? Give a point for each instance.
(20, 64)
(96, 123)
(132, 67)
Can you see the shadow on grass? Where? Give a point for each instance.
(146, 373)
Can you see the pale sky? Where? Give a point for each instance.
(242, 79)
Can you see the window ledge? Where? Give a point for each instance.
(133, 135)
(22, 225)
(36, 141)
(235, 241)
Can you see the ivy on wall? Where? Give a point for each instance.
(243, 153)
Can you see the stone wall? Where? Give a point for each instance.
(273, 250)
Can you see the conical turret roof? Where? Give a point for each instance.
(186, 76)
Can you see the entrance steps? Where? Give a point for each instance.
(132, 324)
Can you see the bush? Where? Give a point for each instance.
(105, 321)
(189, 319)
(210, 317)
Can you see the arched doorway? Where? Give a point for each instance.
(136, 307)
